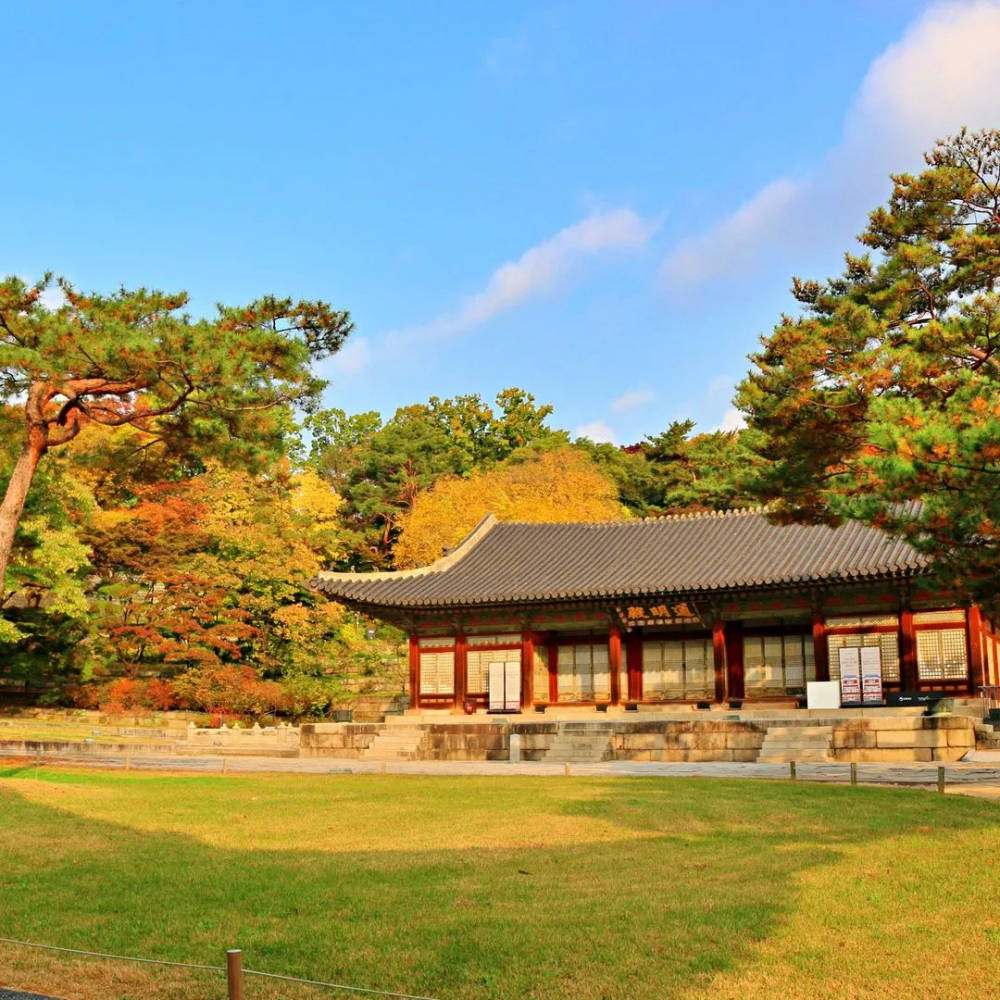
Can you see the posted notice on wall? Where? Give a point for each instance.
(871, 675)
(850, 675)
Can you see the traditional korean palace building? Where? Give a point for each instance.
(693, 609)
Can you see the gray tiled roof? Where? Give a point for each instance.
(515, 562)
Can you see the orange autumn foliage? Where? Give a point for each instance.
(554, 486)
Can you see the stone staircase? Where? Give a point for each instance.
(987, 735)
(580, 743)
(804, 744)
(399, 742)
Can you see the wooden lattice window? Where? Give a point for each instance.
(540, 668)
(437, 672)
(582, 672)
(677, 669)
(941, 654)
(873, 630)
(777, 664)
(477, 666)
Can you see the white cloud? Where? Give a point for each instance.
(733, 244)
(353, 358)
(598, 432)
(944, 73)
(632, 398)
(52, 298)
(539, 271)
(732, 421)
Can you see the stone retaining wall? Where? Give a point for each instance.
(260, 738)
(462, 742)
(688, 741)
(889, 739)
(89, 748)
(886, 739)
(337, 739)
(536, 738)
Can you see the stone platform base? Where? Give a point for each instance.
(855, 735)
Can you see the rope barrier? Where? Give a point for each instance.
(117, 958)
(215, 968)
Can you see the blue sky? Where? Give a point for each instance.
(602, 203)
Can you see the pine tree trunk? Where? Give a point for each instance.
(13, 501)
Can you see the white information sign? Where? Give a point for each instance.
(871, 675)
(850, 675)
(822, 694)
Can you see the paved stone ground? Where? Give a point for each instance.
(9, 994)
(975, 778)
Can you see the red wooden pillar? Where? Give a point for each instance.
(414, 671)
(633, 662)
(908, 675)
(719, 656)
(821, 649)
(734, 659)
(553, 648)
(461, 685)
(615, 663)
(974, 638)
(527, 669)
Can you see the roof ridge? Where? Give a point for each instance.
(649, 519)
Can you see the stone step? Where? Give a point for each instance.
(578, 742)
(813, 744)
(396, 743)
(799, 732)
(799, 756)
(808, 744)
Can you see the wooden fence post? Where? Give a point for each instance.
(234, 973)
(941, 780)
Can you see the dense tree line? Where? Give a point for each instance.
(146, 573)
(171, 485)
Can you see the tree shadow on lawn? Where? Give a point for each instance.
(713, 871)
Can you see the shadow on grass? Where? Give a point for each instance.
(713, 871)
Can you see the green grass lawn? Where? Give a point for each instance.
(499, 887)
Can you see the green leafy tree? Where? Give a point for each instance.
(133, 358)
(675, 471)
(380, 469)
(885, 389)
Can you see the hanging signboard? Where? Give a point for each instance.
(850, 675)
(871, 675)
(660, 613)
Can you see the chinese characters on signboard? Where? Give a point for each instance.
(659, 613)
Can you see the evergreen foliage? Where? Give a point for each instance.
(885, 389)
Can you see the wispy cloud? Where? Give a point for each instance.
(631, 399)
(734, 243)
(943, 73)
(539, 271)
(598, 432)
(353, 358)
